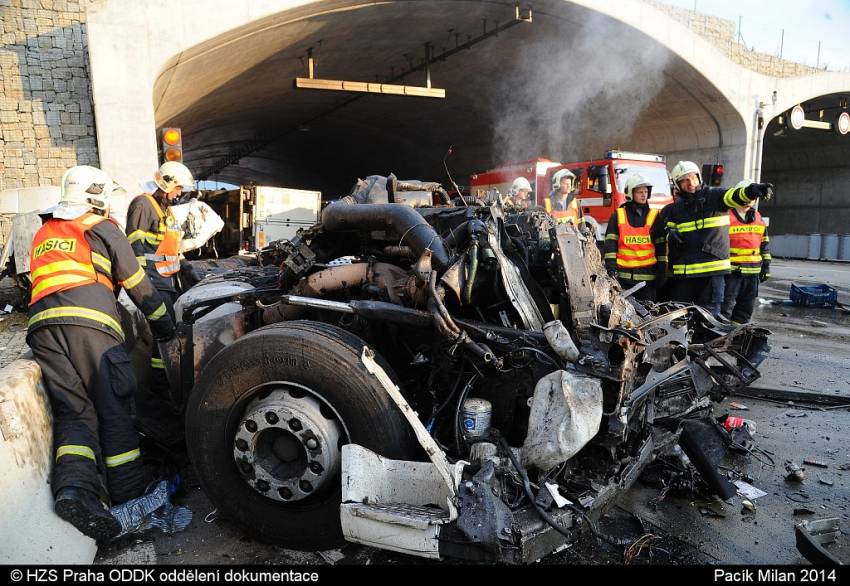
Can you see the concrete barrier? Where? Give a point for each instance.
(30, 532)
(829, 247)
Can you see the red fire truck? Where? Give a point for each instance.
(600, 183)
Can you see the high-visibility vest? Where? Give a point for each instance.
(62, 259)
(166, 259)
(635, 249)
(745, 243)
(563, 216)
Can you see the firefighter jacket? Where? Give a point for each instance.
(155, 238)
(629, 248)
(697, 230)
(76, 268)
(749, 250)
(563, 211)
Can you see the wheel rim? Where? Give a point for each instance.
(287, 445)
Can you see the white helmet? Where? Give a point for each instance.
(744, 183)
(85, 187)
(556, 178)
(682, 168)
(637, 180)
(173, 174)
(520, 183)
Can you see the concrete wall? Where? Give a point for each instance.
(809, 201)
(46, 119)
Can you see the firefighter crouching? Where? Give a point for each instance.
(562, 203)
(630, 253)
(697, 230)
(155, 237)
(750, 257)
(79, 259)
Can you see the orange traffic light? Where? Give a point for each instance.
(172, 144)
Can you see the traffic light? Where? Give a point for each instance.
(172, 145)
(712, 175)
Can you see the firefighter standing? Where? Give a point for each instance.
(78, 260)
(562, 203)
(697, 230)
(155, 237)
(750, 257)
(520, 194)
(630, 254)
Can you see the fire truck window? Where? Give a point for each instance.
(597, 178)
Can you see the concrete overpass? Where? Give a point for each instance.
(583, 76)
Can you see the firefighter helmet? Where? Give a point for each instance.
(173, 174)
(556, 178)
(518, 184)
(637, 180)
(86, 186)
(682, 169)
(744, 183)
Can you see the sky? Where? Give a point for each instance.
(805, 22)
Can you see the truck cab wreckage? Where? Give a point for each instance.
(447, 382)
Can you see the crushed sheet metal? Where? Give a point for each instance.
(436, 455)
(748, 491)
(515, 287)
(566, 411)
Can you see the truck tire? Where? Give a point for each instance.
(267, 420)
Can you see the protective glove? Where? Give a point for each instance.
(763, 276)
(162, 329)
(763, 191)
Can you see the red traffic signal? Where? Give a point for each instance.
(712, 175)
(172, 144)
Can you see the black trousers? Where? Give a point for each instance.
(159, 382)
(739, 300)
(645, 293)
(90, 383)
(706, 291)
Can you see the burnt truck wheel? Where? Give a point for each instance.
(266, 423)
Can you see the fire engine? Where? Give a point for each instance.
(599, 184)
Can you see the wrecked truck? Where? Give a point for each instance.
(443, 381)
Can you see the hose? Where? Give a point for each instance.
(473, 271)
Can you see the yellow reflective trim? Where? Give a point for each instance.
(702, 223)
(142, 261)
(148, 237)
(636, 264)
(743, 250)
(157, 313)
(661, 258)
(702, 267)
(126, 457)
(59, 280)
(635, 277)
(747, 259)
(727, 197)
(134, 279)
(72, 450)
(62, 266)
(750, 270)
(102, 262)
(641, 253)
(611, 237)
(83, 312)
(766, 256)
(610, 255)
(157, 362)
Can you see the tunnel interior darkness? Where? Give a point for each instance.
(233, 95)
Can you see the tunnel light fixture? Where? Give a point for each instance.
(369, 88)
(842, 123)
(796, 119)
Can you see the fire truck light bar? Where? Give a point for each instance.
(635, 156)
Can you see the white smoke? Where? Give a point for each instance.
(576, 91)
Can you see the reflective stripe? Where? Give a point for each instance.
(743, 250)
(702, 267)
(157, 313)
(61, 266)
(611, 255)
(661, 258)
(134, 280)
(638, 253)
(71, 450)
(161, 257)
(635, 276)
(745, 259)
(126, 457)
(148, 237)
(142, 262)
(750, 270)
(611, 236)
(766, 256)
(637, 263)
(58, 280)
(157, 362)
(166, 270)
(102, 262)
(83, 312)
(712, 222)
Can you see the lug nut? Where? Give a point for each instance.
(305, 486)
(284, 493)
(316, 468)
(262, 485)
(272, 417)
(241, 445)
(251, 426)
(311, 443)
(295, 424)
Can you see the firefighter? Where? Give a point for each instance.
(630, 254)
(520, 194)
(750, 257)
(562, 203)
(79, 259)
(155, 237)
(697, 231)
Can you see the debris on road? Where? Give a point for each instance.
(795, 414)
(826, 481)
(795, 472)
(738, 406)
(817, 463)
(748, 506)
(803, 511)
(812, 536)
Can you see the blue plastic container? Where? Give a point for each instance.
(813, 295)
